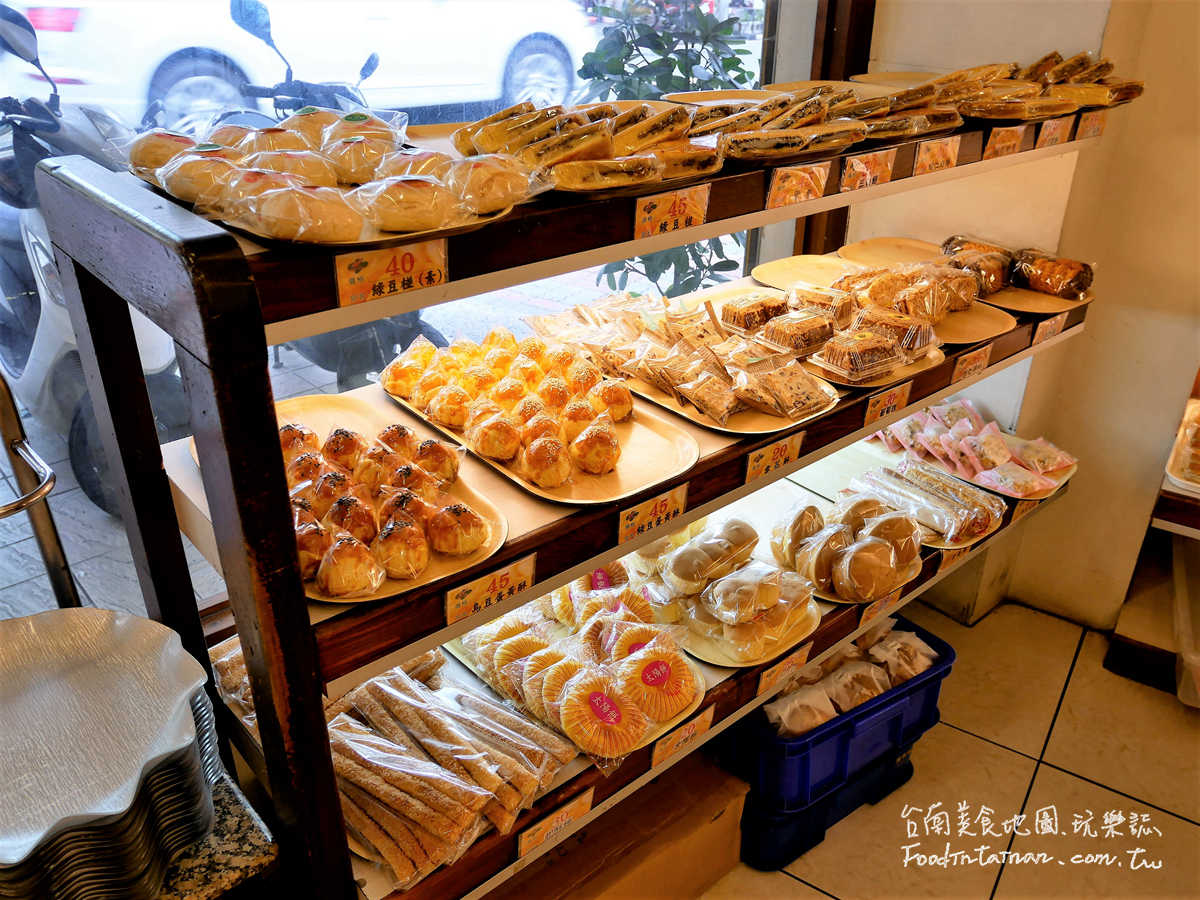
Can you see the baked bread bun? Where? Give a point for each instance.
(309, 167)
(242, 185)
(430, 382)
(582, 376)
(414, 161)
(900, 530)
(343, 447)
(575, 417)
(313, 541)
(554, 393)
(348, 569)
(358, 124)
(375, 467)
(498, 359)
(401, 548)
(542, 425)
(304, 467)
(449, 406)
(815, 557)
(189, 176)
(156, 148)
(477, 380)
(499, 336)
(412, 477)
(266, 139)
(227, 135)
(400, 439)
(602, 174)
(596, 449)
(350, 513)
(405, 503)
(865, 571)
(495, 438)
(355, 158)
(558, 361)
(546, 462)
(456, 530)
(599, 718)
(508, 392)
(527, 407)
(790, 532)
(400, 376)
(295, 439)
(406, 203)
(488, 184)
(854, 511)
(311, 214)
(311, 122)
(527, 371)
(437, 458)
(482, 409)
(328, 487)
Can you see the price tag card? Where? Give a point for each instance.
(773, 456)
(880, 607)
(971, 364)
(490, 589)
(780, 672)
(375, 274)
(887, 402)
(1054, 131)
(652, 513)
(550, 827)
(1022, 509)
(1091, 124)
(867, 169)
(795, 184)
(663, 213)
(1004, 141)
(950, 557)
(682, 737)
(933, 156)
(1049, 328)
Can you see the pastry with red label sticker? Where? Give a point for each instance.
(622, 639)
(600, 719)
(509, 661)
(659, 681)
(554, 685)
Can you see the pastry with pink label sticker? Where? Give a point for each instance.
(659, 681)
(599, 718)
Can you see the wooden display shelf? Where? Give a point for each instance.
(1176, 512)
(571, 540)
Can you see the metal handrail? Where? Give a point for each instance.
(41, 469)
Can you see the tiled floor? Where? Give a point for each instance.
(1030, 720)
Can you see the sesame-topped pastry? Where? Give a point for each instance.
(457, 530)
(343, 447)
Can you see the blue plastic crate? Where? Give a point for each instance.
(788, 774)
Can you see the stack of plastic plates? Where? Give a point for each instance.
(109, 755)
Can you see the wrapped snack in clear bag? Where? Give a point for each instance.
(665, 603)
(816, 555)
(658, 680)
(598, 717)
(309, 167)
(308, 214)
(223, 196)
(406, 203)
(493, 182)
(885, 437)
(837, 304)
(949, 414)
(262, 140)
(990, 268)
(905, 431)
(802, 331)
(713, 396)
(876, 633)
(855, 356)
(751, 388)
(915, 337)
(366, 125)
(714, 552)
(987, 449)
(965, 243)
(151, 150)
(854, 684)
(986, 509)
(798, 524)
(865, 571)
(752, 310)
(1015, 480)
(355, 159)
(401, 548)
(462, 139)
(904, 655)
(349, 569)
(1049, 274)
(801, 711)
(946, 517)
(414, 161)
(190, 175)
(1039, 455)
(855, 510)
(742, 594)
(929, 439)
(899, 529)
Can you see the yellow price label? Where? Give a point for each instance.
(1049, 328)
(971, 364)
(880, 607)
(796, 184)
(1054, 131)
(1004, 141)
(887, 402)
(773, 456)
(933, 156)
(1022, 509)
(672, 211)
(1091, 124)
(950, 557)
(476, 596)
(780, 672)
(682, 737)
(867, 169)
(552, 826)
(652, 513)
(368, 275)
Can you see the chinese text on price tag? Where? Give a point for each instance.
(773, 456)
(881, 607)
(781, 671)
(1022, 509)
(490, 589)
(1091, 124)
(1049, 328)
(867, 169)
(950, 557)
(971, 364)
(661, 213)
(933, 156)
(887, 402)
(375, 274)
(654, 512)
(552, 825)
(795, 184)
(682, 736)
(1004, 141)
(1054, 131)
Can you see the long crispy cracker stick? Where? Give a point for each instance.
(402, 867)
(562, 750)
(393, 826)
(395, 798)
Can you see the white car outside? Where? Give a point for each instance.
(123, 54)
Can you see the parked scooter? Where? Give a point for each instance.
(38, 352)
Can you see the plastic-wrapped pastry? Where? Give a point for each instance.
(797, 392)
(295, 439)
(816, 555)
(375, 467)
(947, 517)
(348, 569)
(541, 425)
(554, 684)
(496, 438)
(622, 639)
(305, 467)
(659, 682)
(438, 459)
(914, 336)
(401, 548)
(414, 478)
(400, 376)
(312, 542)
(477, 380)
(836, 303)
(752, 310)
(546, 462)
(1024, 109)
(742, 594)
(404, 503)
(400, 439)
(430, 382)
(599, 718)
(352, 514)
(713, 396)
(612, 397)
(800, 523)
(575, 417)
(498, 359)
(900, 530)
(414, 161)
(343, 447)
(1050, 274)
(583, 376)
(527, 407)
(918, 95)
(596, 449)
(532, 674)
(1069, 67)
(1036, 70)
(482, 409)
(328, 487)
(903, 654)
(507, 392)
(859, 355)
(1015, 480)
(990, 268)
(456, 530)
(356, 158)
(558, 361)
(854, 684)
(554, 393)
(421, 350)
(449, 406)
(509, 661)
(528, 372)
(803, 331)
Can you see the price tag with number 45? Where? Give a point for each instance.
(490, 589)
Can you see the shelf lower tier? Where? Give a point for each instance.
(569, 541)
(1176, 511)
